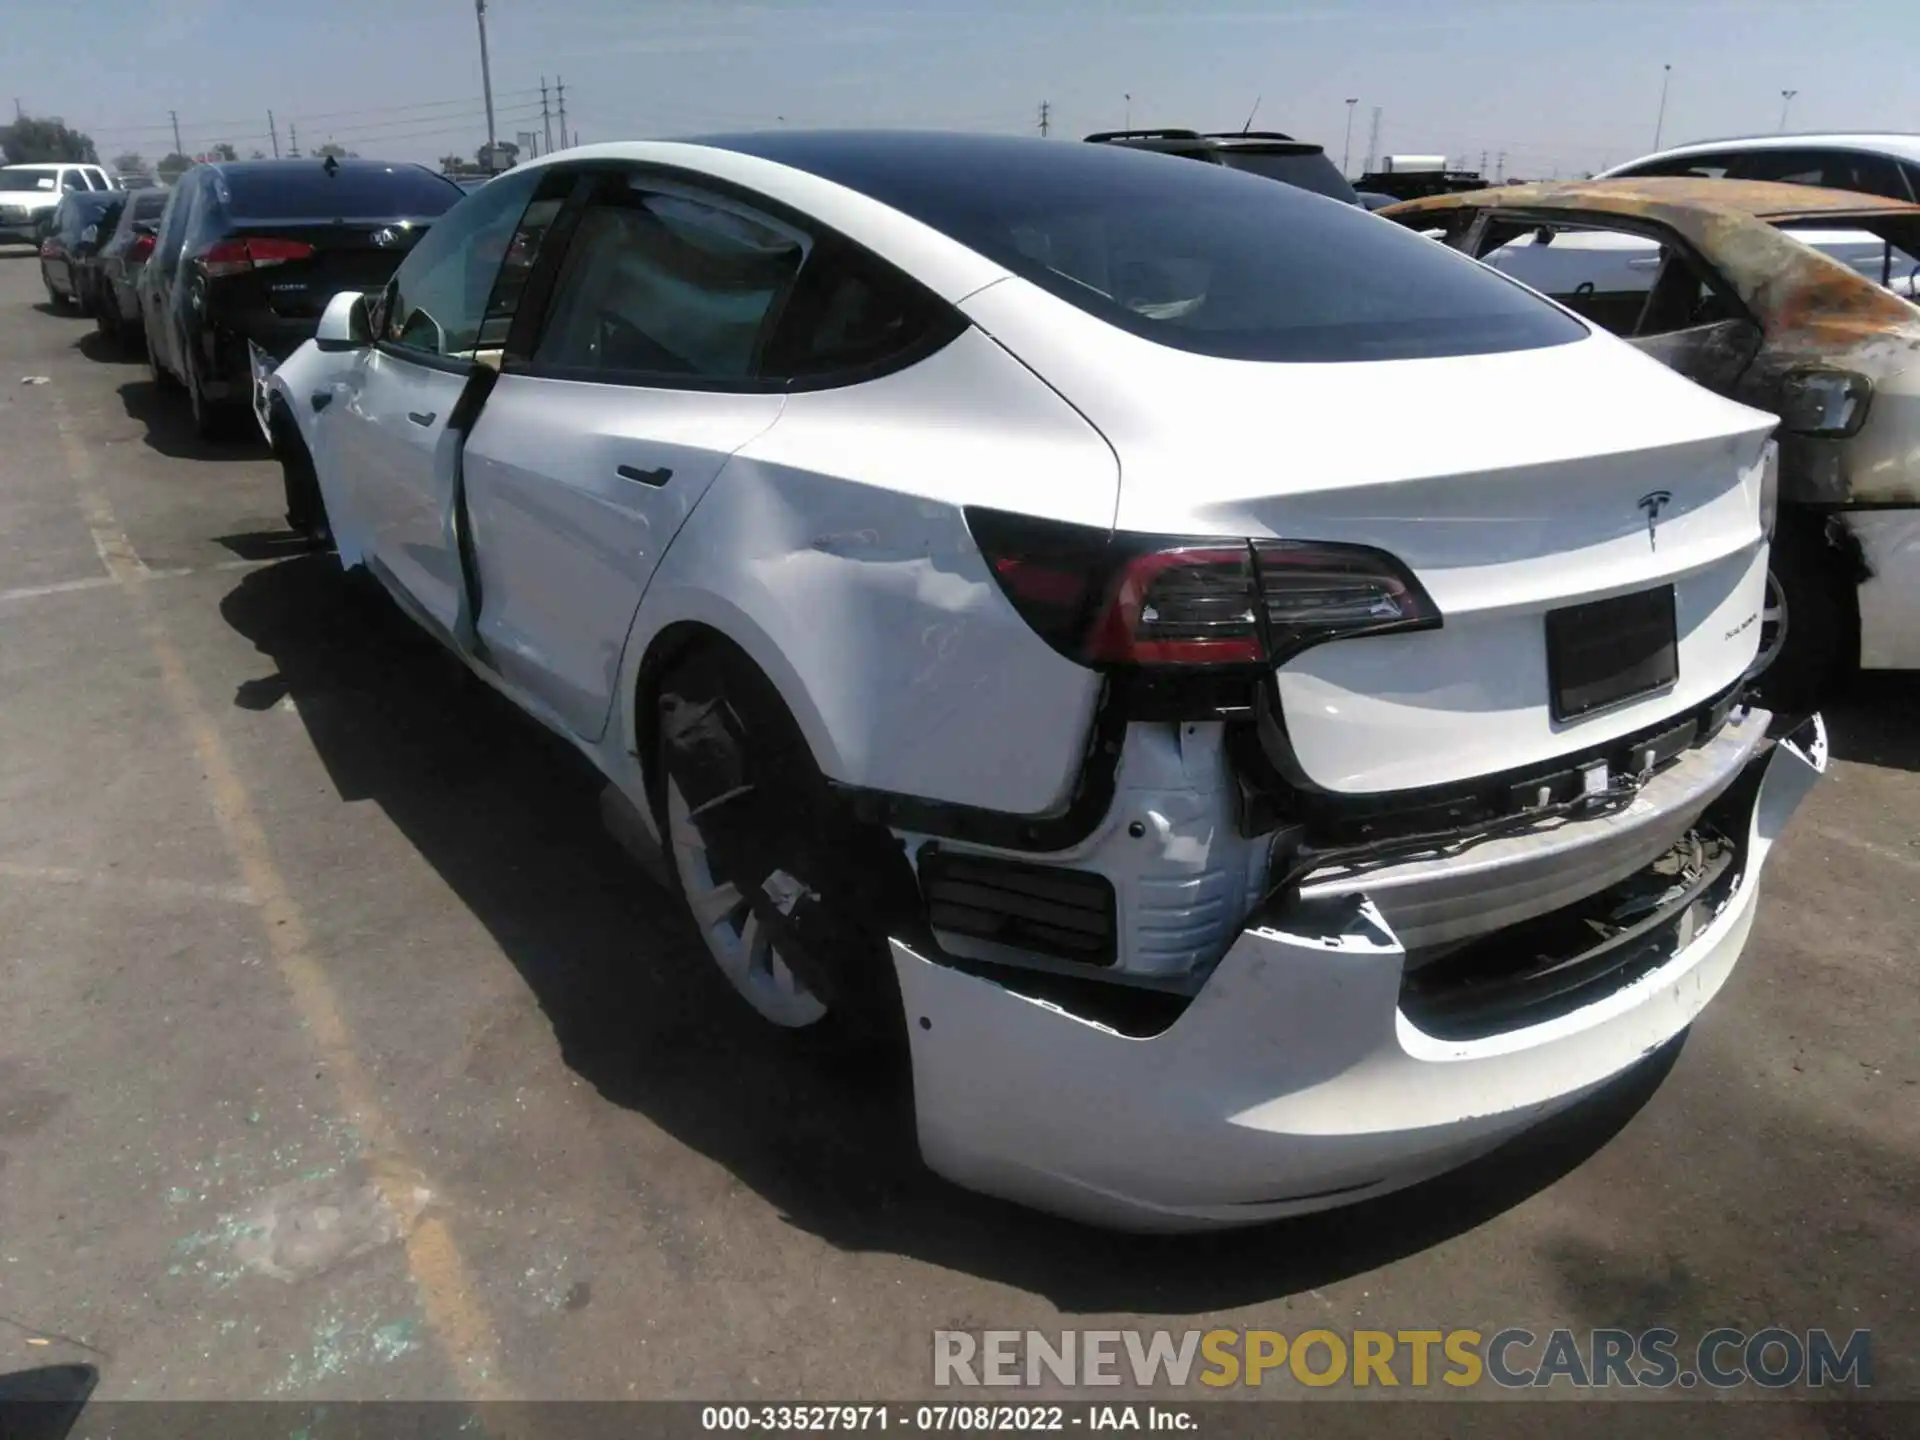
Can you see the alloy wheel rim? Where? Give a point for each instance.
(739, 944)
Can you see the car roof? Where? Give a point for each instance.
(1768, 200)
(1904, 147)
(345, 166)
(52, 165)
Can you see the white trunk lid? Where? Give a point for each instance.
(1511, 485)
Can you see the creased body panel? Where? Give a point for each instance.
(1502, 519)
(834, 550)
(1293, 1082)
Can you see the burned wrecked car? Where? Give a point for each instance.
(953, 551)
(1787, 298)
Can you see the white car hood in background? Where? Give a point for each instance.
(1511, 484)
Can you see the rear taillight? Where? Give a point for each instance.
(1154, 601)
(235, 257)
(140, 249)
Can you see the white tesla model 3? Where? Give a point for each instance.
(1254, 701)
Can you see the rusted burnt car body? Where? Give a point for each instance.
(1729, 297)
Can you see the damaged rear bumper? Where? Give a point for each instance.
(1296, 1079)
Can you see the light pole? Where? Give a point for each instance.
(1786, 99)
(1129, 124)
(486, 74)
(1660, 121)
(1346, 148)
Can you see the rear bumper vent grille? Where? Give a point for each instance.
(1067, 914)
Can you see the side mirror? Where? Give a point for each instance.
(343, 324)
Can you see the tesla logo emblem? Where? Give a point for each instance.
(386, 237)
(1652, 503)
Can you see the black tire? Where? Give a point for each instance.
(1821, 649)
(306, 504)
(211, 421)
(817, 841)
(163, 379)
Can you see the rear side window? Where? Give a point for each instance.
(354, 192)
(665, 285)
(851, 313)
(1311, 170)
(1834, 169)
(1704, 167)
(1200, 258)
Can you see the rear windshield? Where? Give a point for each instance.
(1192, 256)
(27, 179)
(307, 192)
(1312, 171)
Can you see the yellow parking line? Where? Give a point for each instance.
(452, 1305)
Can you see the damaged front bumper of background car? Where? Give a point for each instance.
(1334, 1053)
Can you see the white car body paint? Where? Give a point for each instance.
(1293, 1082)
(566, 543)
(828, 542)
(1501, 523)
(1890, 598)
(834, 552)
(397, 457)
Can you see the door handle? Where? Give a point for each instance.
(1651, 262)
(655, 478)
(420, 417)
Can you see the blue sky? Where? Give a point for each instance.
(1565, 85)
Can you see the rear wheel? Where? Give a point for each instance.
(791, 897)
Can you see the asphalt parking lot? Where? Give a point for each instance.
(343, 1055)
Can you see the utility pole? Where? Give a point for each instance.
(174, 115)
(561, 86)
(274, 131)
(486, 73)
(1346, 148)
(1483, 163)
(293, 140)
(546, 121)
(18, 113)
(1501, 173)
(1046, 116)
(1659, 124)
(1373, 142)
(1786, 99)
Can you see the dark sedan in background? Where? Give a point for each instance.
(79, 222)
(116, 265)
(250, 253)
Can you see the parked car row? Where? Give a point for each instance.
(955, 553)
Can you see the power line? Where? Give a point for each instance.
(161, 127)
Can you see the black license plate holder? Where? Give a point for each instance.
(1607, 652)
